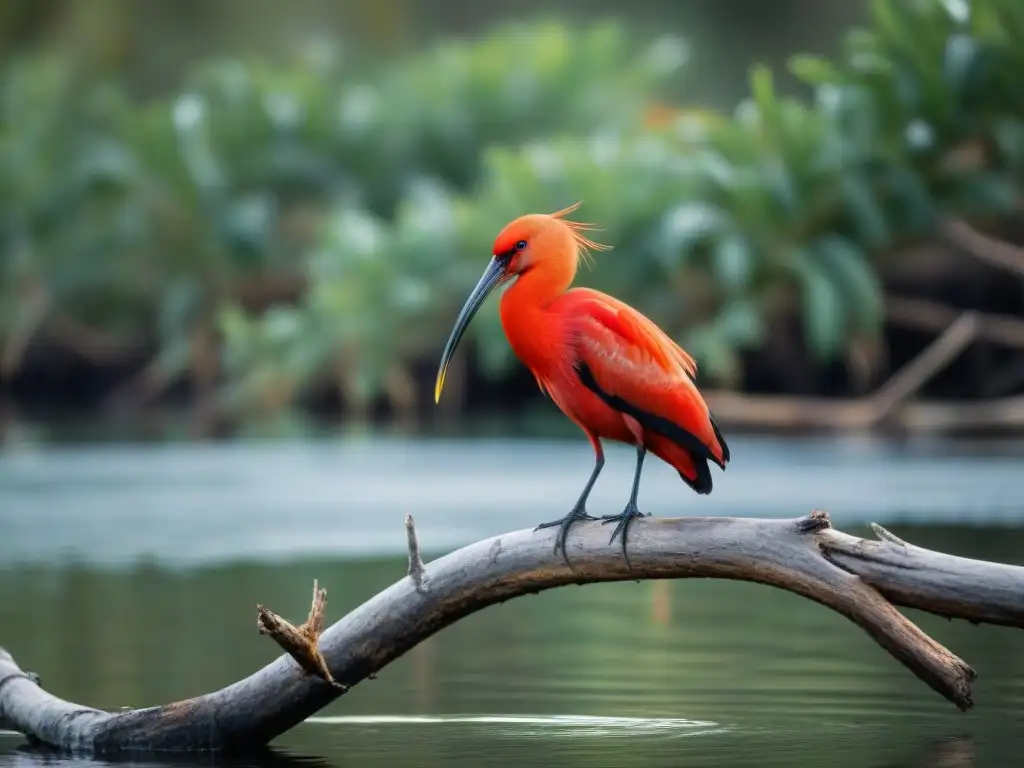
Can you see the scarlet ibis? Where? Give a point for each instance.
(610, 369)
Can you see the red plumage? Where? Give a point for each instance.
(644, 380)
(610, 369)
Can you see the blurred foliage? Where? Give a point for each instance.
(330, 221)
(146, 219)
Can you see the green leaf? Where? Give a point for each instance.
(173, 358)
(815, 70)
(683, 227)
(822, 315)
(864, 55)
(917, 208)
(986, 192)
(714, 353)
(238, 331)
(962, 63)
(763, 91)
(733, 262)
(854, 277)
(1008, 133)
(179, 307)
(884, 18)
(740, 323)
(281, 324)
(866, 214)
(960, 11)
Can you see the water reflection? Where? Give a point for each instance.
(949, 753)
(25, 756)
(942, 753)
(541, 725)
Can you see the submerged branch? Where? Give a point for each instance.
(861, 579)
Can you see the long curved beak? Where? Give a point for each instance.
(493, 275)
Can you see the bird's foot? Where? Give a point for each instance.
(578, 513)
(623, 519)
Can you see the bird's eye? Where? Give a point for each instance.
(520, 245)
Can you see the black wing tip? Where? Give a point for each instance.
(714, 459)
(703, 483)
(721, 441)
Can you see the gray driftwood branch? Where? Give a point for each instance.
(861, 579)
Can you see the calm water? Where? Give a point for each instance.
(109, 554)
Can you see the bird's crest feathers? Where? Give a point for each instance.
(584, 243)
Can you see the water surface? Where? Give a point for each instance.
(187, 504)
(129, 577)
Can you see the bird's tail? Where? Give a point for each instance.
(693, 469)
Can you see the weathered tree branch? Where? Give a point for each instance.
(780, 412)
(936, 356)
(861, 579)
(925, 315)
(985, 248)
(862, 413)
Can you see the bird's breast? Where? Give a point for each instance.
(538, 339)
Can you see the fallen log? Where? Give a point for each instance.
(890, 405)
(985, 248)
(861, 579)
(822, 414)
(924, 315)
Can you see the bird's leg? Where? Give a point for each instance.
(579, 511)
(626, 516)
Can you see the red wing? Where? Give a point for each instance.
(638, 331)
(640, 371)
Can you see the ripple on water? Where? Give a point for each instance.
(543, 725)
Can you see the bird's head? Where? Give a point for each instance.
(536, 240)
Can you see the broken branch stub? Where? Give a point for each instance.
(861, 579)
(300, 642)
(417, 570)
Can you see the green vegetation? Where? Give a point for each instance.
(281, 227)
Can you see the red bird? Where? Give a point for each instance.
(607, 367)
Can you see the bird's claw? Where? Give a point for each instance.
(623, 519)
(578, 513)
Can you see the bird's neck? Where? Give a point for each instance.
(532, 329)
